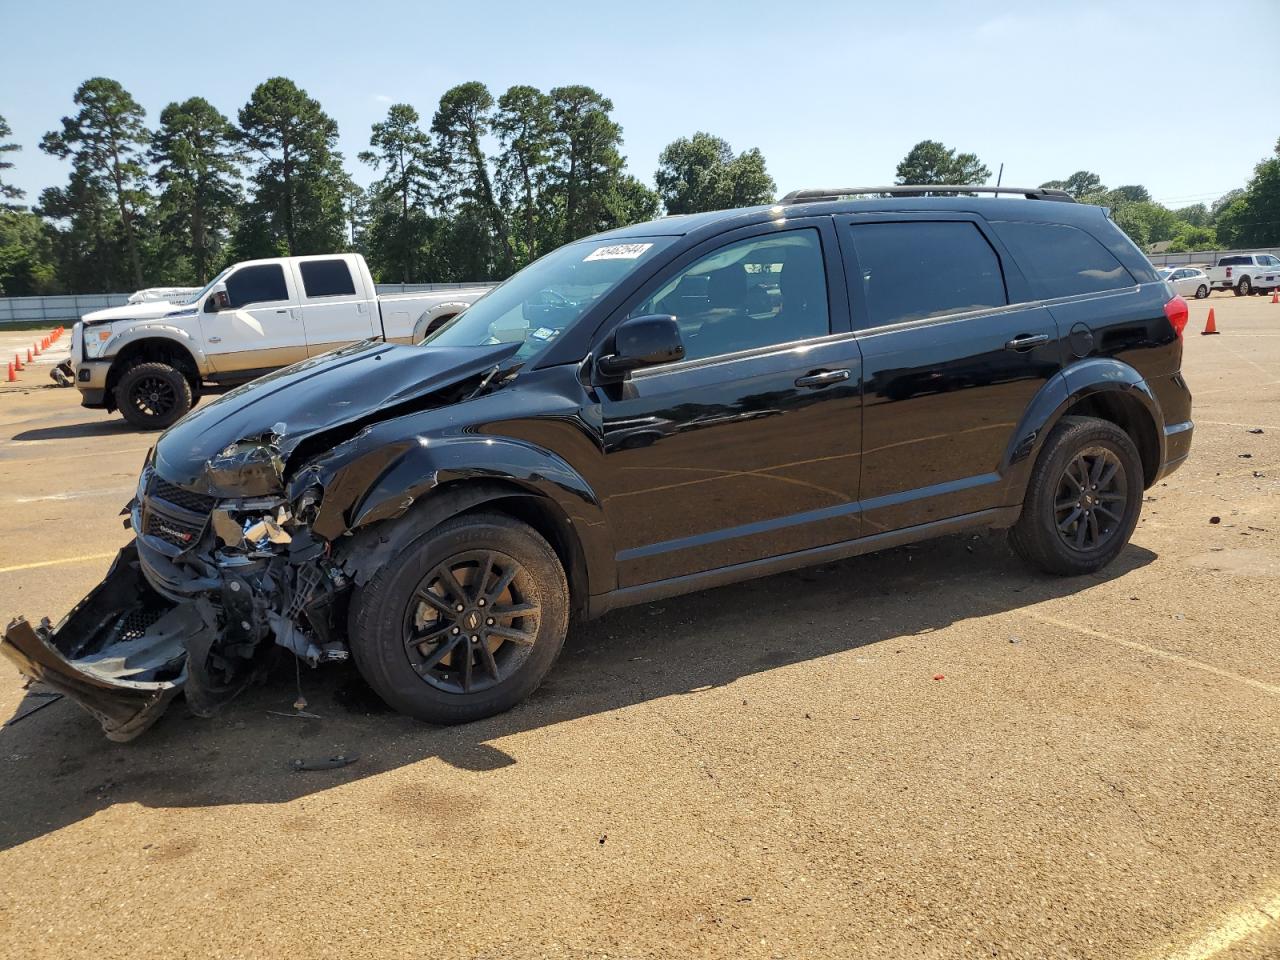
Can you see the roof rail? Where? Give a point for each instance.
(923, 189)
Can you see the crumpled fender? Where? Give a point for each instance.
(392, 478)
(157, 330)
(1085, 378)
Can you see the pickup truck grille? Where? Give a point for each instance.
(173, 516)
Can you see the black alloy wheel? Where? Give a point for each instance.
(467, 620)
(1091, 496)
(470, 622)
(153, 395)
(1083, 498)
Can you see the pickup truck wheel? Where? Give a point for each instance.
(1243, 287)
(153, 395)
(1083, 499)
(1201, 292)
(465, 623)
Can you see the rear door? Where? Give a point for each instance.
(952, 354)
(336, 309)
(261, 328)
(749, 447)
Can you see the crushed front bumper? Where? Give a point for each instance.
(121, 653)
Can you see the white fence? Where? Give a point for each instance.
(1201, 257)
(69, 309)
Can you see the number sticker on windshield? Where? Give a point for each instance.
(618, 251)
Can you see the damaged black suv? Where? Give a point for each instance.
(646, 412)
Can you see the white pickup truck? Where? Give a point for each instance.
(150, 360)
(1246, 273)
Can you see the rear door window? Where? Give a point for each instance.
(1061, 260)
(326, 278)
(920, 269)
(259, 284)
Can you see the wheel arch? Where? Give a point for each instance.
(1103, 388)
(435, 315)
(373, 545)
(147, 346)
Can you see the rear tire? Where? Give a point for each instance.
(1201, 292)
(1068, 527)
(470, 663)
(153, 395)
(1243, 287)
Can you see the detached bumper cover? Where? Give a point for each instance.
(121, 653)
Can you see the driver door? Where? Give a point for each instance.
(261, 327)
(749, 447)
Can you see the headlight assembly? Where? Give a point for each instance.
(95, 338)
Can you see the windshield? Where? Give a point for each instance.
(547, 297)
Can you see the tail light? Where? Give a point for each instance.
(1228, 271)
(1178, 312)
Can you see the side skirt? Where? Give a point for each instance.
(662, 589)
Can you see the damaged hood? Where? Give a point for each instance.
(265, 420)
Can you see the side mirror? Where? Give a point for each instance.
(217, 299)
(642, 342)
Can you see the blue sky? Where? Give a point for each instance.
(832, 93)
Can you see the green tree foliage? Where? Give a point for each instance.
(1133, 193)
(463, 119)
(198, 172)
(7, 190)
(590, 190)
(1252, 219)
(701, 173)
(300, 190)
(1197, 215)
(106, 142)
(526, 131)
(932, 162)
(398, 228)
(27, 266)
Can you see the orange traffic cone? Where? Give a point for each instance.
(1275, 296)
(13, 376)
(1209, 327)
(29, 356)
(17, 361)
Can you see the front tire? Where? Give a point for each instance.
(1083, 499)
(152, 396)
(465, 623)
(1201, 292)
(1243, 287)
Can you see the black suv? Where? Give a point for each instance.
(654, 410)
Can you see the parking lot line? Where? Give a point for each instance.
(1231, 930)
(83, 558)
(1155, 651)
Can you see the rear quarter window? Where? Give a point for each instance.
(1060, 260)
(1234, 261)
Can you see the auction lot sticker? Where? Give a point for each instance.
(618, 251)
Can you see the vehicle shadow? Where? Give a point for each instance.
(75, 431)
(56, 768)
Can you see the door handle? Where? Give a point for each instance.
(822, 378)
(1025, 341)
(215, 339)
(285, 310)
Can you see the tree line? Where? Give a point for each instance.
(483, 187)
(174, 204)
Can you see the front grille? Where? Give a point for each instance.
(162, 489)
(173, 517)
(171, 530)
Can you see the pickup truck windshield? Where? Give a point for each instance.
(541, 301)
